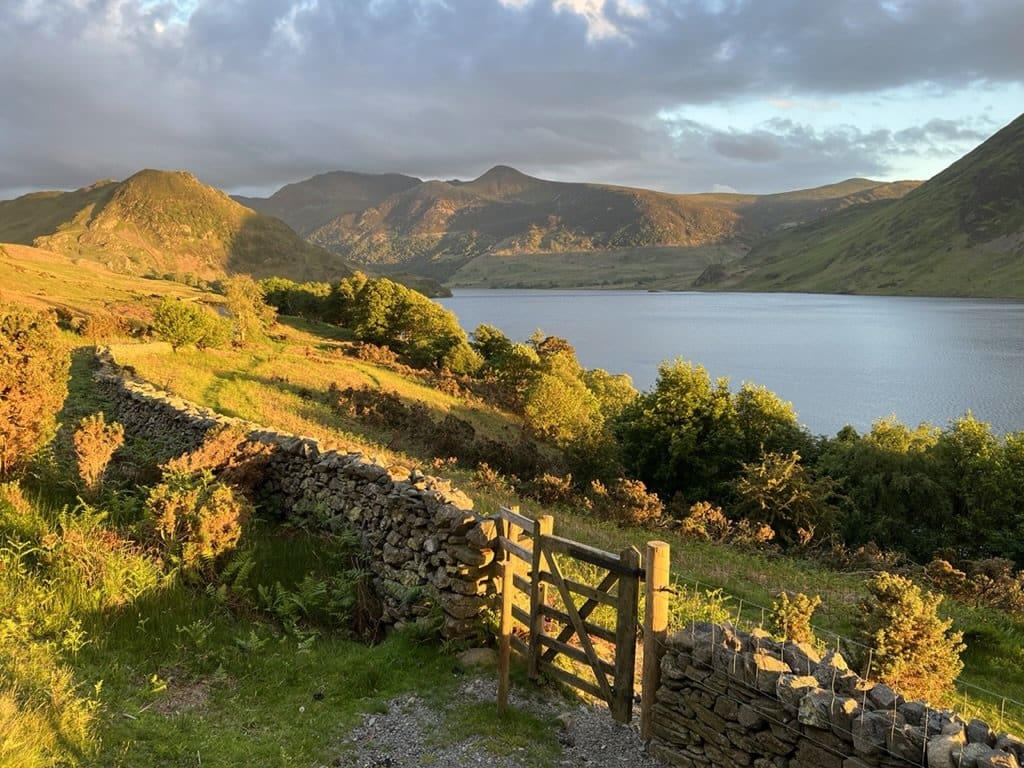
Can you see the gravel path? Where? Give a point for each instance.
(413, 733)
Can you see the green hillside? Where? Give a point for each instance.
(959, 234)
(159, 222)
(440, 228)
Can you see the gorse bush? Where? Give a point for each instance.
(196, 519)
(625, 501)
(780, 491)
(914, 650)
(94, 443)
(34, 366)
(790, 619)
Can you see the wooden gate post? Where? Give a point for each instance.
(538, 592)
(505, 640)
(656, 567)
(625, 636)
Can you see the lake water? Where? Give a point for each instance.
(838, 359)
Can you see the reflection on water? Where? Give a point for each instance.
(839, 359)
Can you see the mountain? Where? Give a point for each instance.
(163, 222)
(438, 228)
(307, 205)
(959, 234)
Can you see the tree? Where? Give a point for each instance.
(614, 392)
(245, 300)
(914, 651)
(781, 492)
(180, 323)
(34, 368)
(561, 409)
(889, 482)
(680, 436)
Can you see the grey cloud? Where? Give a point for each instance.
(256, 93)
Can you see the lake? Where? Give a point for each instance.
(839, 359)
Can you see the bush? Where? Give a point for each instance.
(180, 323)
(197, 519)
(791, 618)
(914, 651)
(34, 368)
(95, 442)
(626, 501)
(229, 455)
(706, 522)
(780, 491)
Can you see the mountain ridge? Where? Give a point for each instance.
(163, 222)
(961, 233)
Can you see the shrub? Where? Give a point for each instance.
(706, 522)
(626, 501)
(551, 489)
(95, 442)
(180, 323)
(914, 651)
(780, 491)
(197, 519)
(992, 582)
(791, 617)
(229, 455)
(34, 368)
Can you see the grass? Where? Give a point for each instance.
(663, 268)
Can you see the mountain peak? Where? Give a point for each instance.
(503, 181)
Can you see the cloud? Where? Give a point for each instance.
(251, 94)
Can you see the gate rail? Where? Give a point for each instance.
(527, 543)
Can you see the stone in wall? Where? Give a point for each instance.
(425, 545)
(732, 698)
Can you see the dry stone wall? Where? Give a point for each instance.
(425, 545)
(732, 698)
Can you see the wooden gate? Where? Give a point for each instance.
(558, 622)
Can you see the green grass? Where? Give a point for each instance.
(664, 268)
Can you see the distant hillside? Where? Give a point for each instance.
(437, 228)
(959, 234)
(163, 222)
(307, 205)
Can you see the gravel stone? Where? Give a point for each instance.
(406, 735)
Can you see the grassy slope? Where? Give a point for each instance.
(959, 234)
(46, 280)
(163, 222)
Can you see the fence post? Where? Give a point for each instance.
(505, 639)
(625, 636)
(656, 567)
(538, 593)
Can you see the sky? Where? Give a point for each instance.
(676, 95)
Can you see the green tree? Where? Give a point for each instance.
(889, 482)
(780, 491)
(766, 423)
(387, 313)
(34, 366)
(245, 300)
(614, 392)
(914, 650)
(180, 323)
(681, 437)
